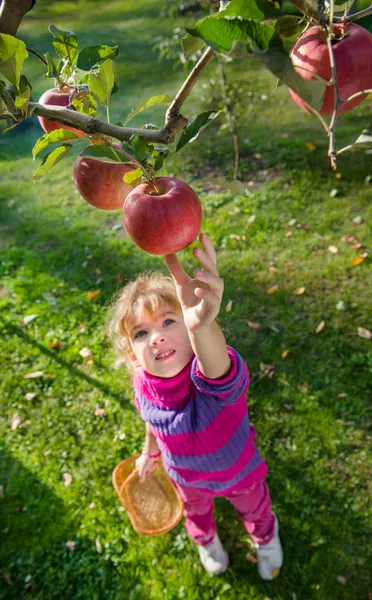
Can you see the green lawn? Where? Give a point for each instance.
(312, 415)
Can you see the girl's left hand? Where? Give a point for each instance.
(201, 297)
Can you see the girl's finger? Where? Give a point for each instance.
(214, 282)
(205, 261)
(208, 247)
(175, 268)
(210, 298)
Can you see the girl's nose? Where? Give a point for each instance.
(157, 338)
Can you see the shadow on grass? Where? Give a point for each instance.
(19, 332)
(36, 524)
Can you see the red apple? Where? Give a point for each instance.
(165, 219)
(353, 59)
(56, 97)
(101, 182)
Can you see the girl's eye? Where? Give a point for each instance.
(168, 322)
(140, 334)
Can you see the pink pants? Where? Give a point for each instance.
(253, 505)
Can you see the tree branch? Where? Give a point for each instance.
(184, 91)
(92, 125)
(12, 13)
(332, 142)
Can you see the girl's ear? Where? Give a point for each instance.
(133, 358)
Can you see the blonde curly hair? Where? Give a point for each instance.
(149, 292)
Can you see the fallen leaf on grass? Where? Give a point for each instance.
(357, 246)
(253, 325)
(342, 395)
(299, 291)
(93, 294)
(341, 579)
(30, 396)
(16, 421)
(98, 546)
(99, 412)
(34, 375)
(288, 233)
(251, 219)
(320, 327)
(57, 345)
(359, 259)
(71, 546)
(303, 389)
(285, 353)
(358, 220)
(29, 318)
(229, 306)
(268, 370)
(86, 353)
(273, 289)
(251, 558)
(80, 328)
(349, 239)
(364, 333)
(310, 146)
(7, 577)
(67, 478)
(333, 249)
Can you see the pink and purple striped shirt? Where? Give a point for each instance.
(202, 426)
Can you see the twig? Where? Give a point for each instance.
(184, 91)
(362, 93)
(355, 17)
(332, 140)
(41, 59)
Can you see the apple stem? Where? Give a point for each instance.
(156, 189)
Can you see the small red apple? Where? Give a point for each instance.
(101, 182)
(163, 219)
(353, 59)
(56, 97)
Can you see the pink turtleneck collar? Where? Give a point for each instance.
(169, 393)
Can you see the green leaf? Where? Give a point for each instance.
(65, 44)
(85, 102)
(95, 55)
(195, 127)
(288, 26)
(231, 184)
(13, 53)
(250, 9)
(153, 101)
(140, 147)
(24, 93)
(278, 62)
(133, 176)
(58, 135)
(103, 151)
(52, 69)
(50, 160)
(220, 34)
(101, 82)
(191, 45)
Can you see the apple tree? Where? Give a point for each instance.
(328, 72)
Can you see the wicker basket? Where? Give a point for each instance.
(154, 506)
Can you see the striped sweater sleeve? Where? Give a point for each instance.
(228, 389)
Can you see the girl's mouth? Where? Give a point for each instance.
(164, 355)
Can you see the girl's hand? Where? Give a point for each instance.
(146, 465)
(201, 297)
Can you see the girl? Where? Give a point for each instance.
(190, 389)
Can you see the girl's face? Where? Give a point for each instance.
(159, 342)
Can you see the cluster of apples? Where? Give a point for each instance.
(161, 217)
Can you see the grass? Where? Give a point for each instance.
(311, 417)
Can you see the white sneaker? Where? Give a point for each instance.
(270, 556)
(214, 557)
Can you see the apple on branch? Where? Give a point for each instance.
(56, 97)
(101, 183)
(352, 50)
(163, 216)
